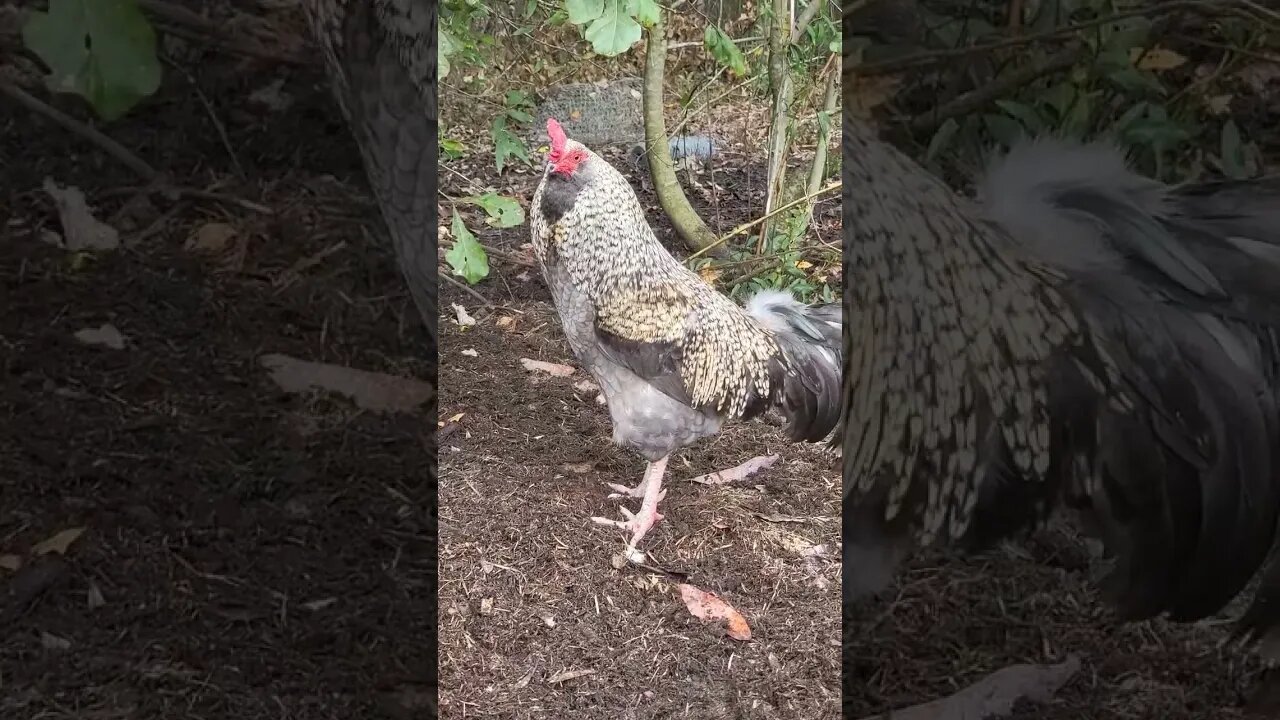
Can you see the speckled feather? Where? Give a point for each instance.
(1066, 344)
(633, 313)
(381, 60)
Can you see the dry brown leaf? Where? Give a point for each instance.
(1156, 59)
(1218, 104)
(868, 93)
(554, 369)
(506, 322)
(995, 695)
(59, 543)
(106, 335)
(211, 237)
(568, 675)
(80, 229)
(706, 606)
(12, 563)
(374, 391)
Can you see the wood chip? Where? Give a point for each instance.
(568, 675)
(554, 369)
(375, 391)
(995, 695)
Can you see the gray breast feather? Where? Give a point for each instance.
(645, 419)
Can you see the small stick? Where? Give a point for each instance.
(111, 147)
(452, 281)
(743, 228)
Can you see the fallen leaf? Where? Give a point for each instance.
(59, 543)
(315, 605)
(94, 596)
(706, 606)
(579, 468)
(464, 318)
(586, 386)
(272, 96)
(106, 335)
(80, 229)
(506, 322)
(471, 352)
(1218, 104)
(1156, 59)
(375, 391)
(868, 93)
(10, 562)
(549, 368)
(53, 642)
(995, 695)
(212, 237)
(568, 675)
(486, 606)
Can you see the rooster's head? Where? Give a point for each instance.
(566, 155)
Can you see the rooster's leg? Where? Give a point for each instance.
(651, 491)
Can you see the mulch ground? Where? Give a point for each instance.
(245, 553)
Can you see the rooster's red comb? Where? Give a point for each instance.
(556, 133)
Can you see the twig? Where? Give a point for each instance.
(179, 192)
(217, 123)
(747, 226)
(471, 291)
(111, 147)
(978, 97)
(933, 57)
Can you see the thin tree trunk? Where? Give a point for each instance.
(780, 84)
(671, 196)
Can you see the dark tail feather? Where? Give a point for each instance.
(811, 340)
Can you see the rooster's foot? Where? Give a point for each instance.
(637, 523)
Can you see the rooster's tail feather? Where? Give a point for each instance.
(810, 338)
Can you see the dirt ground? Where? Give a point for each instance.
(246, 553)
(528, 592)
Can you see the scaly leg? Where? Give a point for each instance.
(640, 522)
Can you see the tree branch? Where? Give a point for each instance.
(666, 185)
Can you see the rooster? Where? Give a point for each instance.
(1084, 338)
(673, 357)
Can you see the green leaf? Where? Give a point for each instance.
(1025, 114)
(505, 144)
(1077, 120)
(453, 149)
(614, 32)
(582, 12)
(646, 12)
(504, 212)
(1004, 129)
(466, 257)
(724, 50)
(101, 50)
(1232, 152)
(941, 139)
(448, 46)
(530, 7)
